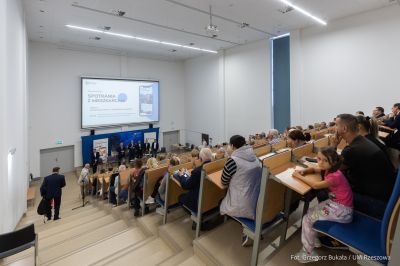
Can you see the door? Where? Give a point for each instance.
(62, 157)
(170, 138)
(281, 83)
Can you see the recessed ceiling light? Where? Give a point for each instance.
(41, 26)
(41, 10)
(172, 50)
(304, 12)
(140, 38)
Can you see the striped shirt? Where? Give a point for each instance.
(229, 170)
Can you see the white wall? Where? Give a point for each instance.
(55, 93)
(13, 114)
(203, 99)
(350, 65)
(228, 93)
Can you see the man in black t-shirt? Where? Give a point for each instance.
(367, 168)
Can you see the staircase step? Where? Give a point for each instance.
(178, 258)
(102, 249)
(83, 241)
(50, 240)
(192, 261)
(152, 253)
(150, 222)
(55, 227)
(178, 234)
(64, 213)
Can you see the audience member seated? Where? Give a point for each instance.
(394, 122)
(220, 154)
(332, 124)
(369, 171)
(339, 208)
(111, 188)
(378, 112)
(242, 175)
(138, 186)
(192, 183)
(195, 154)
(152, 163)
(296, 138)
(368, 128)
(96, 181)
(310, 127)
(323, 126)
(359, 113)
(273, 136)
(160, 189)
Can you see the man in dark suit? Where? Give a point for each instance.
(139, 149)
(154, 148)
(121, 152)
(51, 189)
(147, 146)
(394, 122)
(95, 160)
(132, 150)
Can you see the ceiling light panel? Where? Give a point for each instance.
(127, 36)
(304, 12)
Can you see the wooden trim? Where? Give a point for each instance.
(303, 150)
(392, 226)
(214, 166)
(262, 150)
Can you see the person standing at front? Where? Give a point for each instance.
(51, 189)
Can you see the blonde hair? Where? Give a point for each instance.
(152, 163)
(121, 168)
(205, 154)
(195, 153)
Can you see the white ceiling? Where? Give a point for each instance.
(177, 21)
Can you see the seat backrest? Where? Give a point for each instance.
(152, 175)
(214, 166)
(188, 166)
(20, 237)
(123, 178)
(274, 198)
(324, 142)
(212, 195)
(389, 212)
(281, 144)
(262, 150)
(277, 160)
(303, 150)
(196, 163)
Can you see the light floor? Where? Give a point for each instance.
(100, 235)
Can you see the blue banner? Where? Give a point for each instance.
(113, 141)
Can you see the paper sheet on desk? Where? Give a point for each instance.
(285, 174)
(266, 156)
(293, 183)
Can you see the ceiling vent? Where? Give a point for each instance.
(119, 12)
(285, 9)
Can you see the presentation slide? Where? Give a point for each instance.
(109, 102)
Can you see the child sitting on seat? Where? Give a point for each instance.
(338, 208)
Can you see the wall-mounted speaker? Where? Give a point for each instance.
(92, 132)
(150, 125)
